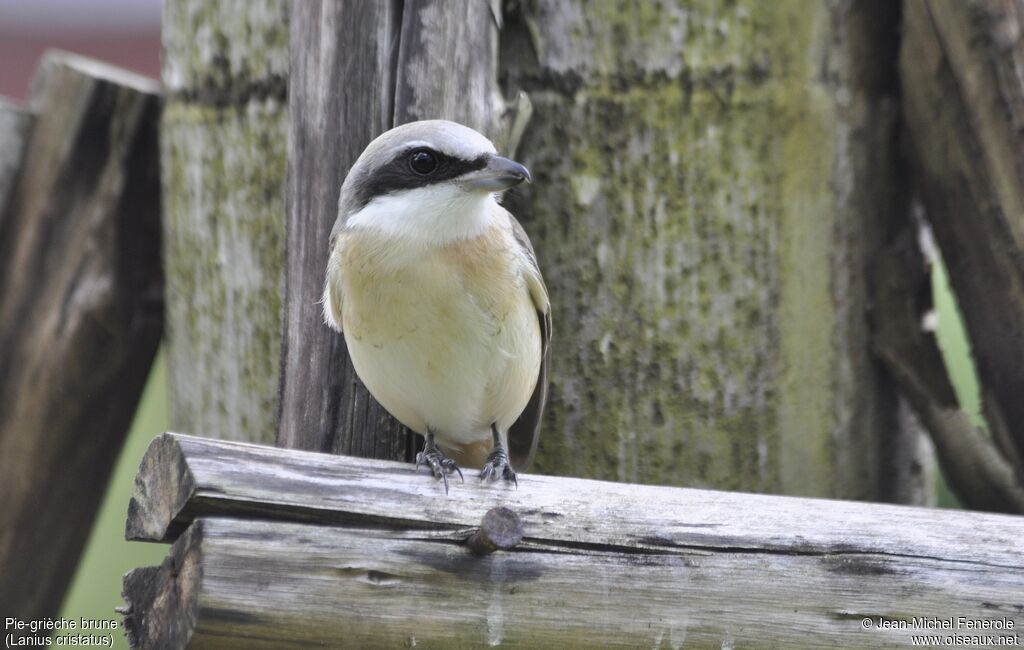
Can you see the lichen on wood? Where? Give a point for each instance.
(709, 183)
(223, 139)
(687, 209)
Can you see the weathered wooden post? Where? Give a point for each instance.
(711, 181)
(280, 548)
(222, 154)
(80, 312)
(341, 95)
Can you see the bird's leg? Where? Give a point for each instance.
(497, 461)
(439, 464)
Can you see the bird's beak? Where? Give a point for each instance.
(499, 174)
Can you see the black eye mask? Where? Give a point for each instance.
(401, 173)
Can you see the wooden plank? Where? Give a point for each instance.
(223, 132)
(340, 96)
(80, 315)
(183, 477)
(232, 583)
(457, 42)
(351, 552)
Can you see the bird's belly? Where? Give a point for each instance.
(436, 355)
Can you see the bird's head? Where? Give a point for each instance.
(432, 180)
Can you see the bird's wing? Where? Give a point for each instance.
(525, 432)
(334, 297)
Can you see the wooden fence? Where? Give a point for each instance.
(277, 548)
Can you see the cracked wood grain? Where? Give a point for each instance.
(183, 477)
(367, 552)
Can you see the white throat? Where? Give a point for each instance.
(433, 215)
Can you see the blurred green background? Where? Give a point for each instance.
(956, 352)
(96, 588)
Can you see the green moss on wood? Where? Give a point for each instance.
(223, 151)
(682, 211)
(223, 53)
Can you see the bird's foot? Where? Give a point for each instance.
(438, 463)
(497, 465)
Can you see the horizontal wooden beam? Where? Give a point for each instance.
(261, 584)
(355, 552)
(184, 477)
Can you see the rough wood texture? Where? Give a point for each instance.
(710, 180)
(964, 107)
(222, 151)
(457, 42)
(161, 612)
(389, 56)
(80, 315)
(381, 560)
(15, 126)
(341, 97)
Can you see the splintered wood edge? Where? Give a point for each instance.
(163, 486)
(162, 602)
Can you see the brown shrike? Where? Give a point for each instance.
(438, 292)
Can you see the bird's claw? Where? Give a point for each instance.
(496, 466)
(439, 464)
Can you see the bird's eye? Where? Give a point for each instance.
(423, 161)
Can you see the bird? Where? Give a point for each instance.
(438, 293)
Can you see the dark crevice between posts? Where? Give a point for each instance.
(875, 69)
(517, 51)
